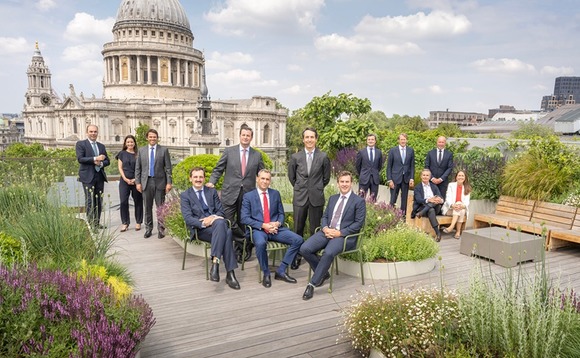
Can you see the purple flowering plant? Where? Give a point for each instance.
(58, 314)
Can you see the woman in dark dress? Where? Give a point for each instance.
(127, 159)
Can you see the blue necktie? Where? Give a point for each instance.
(203, 205)
(152, 162)
(96, 151)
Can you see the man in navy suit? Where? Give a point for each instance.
(369, 162)
(440, 162)
(344, 215)
(241, 164)
(202, 211)
(263, 211)
(401, 171)
(93, 158)
(428, 201)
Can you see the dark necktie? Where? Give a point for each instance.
(440, 157)
(372, 155)
(337, 213)
(203, 205)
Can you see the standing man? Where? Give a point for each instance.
(401, 171)
(241, 164)
(153, 178)
(440, 162)
(309, 173)
(369, 162)
(93, 158)
(344, 215)
(263, 211)
(202, 211)
(427, 201)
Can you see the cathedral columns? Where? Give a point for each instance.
(139, 79)
(148, 69)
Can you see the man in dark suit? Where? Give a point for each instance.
(153, 176)
(241, 165)
(93, 158)
(344, 215)
(369, 162)
(202, 211)
(428, 201)
(263, 211)
(309, 173)
(401, 171)
(440, 162)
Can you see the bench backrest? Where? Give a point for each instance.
(515, 207)
(554, 214)
(576, 223)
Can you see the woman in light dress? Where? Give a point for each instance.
(457, 203)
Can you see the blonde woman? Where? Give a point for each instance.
(457, 203)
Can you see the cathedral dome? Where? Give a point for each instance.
(165, 13)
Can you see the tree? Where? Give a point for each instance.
(140, 134)
(530, 130)
(326, 110)
(347, 134)
(295, 124)
(406, 123)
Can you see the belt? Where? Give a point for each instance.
(151, 177)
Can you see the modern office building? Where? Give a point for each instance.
(566, 91)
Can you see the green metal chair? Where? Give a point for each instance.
(206, 247)
(272, 247)
(334, 266)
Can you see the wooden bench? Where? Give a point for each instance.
(508, 209)
(423, 223)
(545, 217)
(562, 237)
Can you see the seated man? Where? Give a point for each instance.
(202, 210)
(428, 201)
(344, 215)
(263, 211)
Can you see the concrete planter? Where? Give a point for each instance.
(192, 249)
(387, 270)
(376, 354)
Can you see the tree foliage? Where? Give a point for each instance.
(530, 130)
(140, 134)
(348, 134)
(326, 109)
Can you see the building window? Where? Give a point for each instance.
(75, 125)
(267, 134)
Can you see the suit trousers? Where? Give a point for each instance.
(232, 213)
(404, 189)
(332, 247)
(222, 246)
(366, 187)
(430, 210)
(94, 199)
(126, 190)
(284, 236)
(314, 214)
(150, 194)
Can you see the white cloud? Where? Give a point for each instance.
(225, 61)
(340, 44)
(435, 89)
(12, 45)
(296, 89)
(239, 17)
(81, 52)
(294, 68)
(45, 5)
(238, 76)
(503, 65)
(557, 71)
(86, 28)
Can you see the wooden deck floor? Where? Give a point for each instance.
(199, 318)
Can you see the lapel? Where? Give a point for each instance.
(315, 159)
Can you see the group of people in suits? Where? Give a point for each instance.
(146, 175)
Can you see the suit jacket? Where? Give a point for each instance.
(353, 214)
(86, 156)
(419, 195)
(192, 210)
(309, 187)
(368, 172)
(162, 167)
(450, 198)
(233, 180)
(252, 213)
(439, 170)
(397, 171)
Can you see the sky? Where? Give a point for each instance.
(407, 57)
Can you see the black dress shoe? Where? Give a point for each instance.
(296, 263)
(231, 280)
(438, 237)
(160, 235)
(326, 277)
(308, 293)
(214, 272)
(147, 233)
(284, 277)
(267, 281)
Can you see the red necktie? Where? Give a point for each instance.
(266, 209)
(244, 162)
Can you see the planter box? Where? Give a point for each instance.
(387, 270)
(193, 249)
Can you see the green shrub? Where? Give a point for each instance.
(11, 251)
(181, 170)
(484, 167)
(169, 214)
(268, 164)
(401, 243)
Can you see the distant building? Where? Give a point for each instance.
(565, 119)
(566, 91)
(152, 75)
(502, 109)
(459, 118)
(11, 130)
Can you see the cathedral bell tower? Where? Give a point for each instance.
(39, 93)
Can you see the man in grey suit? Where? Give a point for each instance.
(241, 165)
(153, 178)
(93, 158)
(440, 162)
(369, 162)
(401, 171)
(309, 173)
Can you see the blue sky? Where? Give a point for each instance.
(407, 57)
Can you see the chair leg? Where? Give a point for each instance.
(206, 264)
(336, 263)
(184, 254)
(331, 275)
(362, 272)
(243, 254)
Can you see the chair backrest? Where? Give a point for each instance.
(513, 207)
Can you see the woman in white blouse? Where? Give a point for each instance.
(457, 202)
